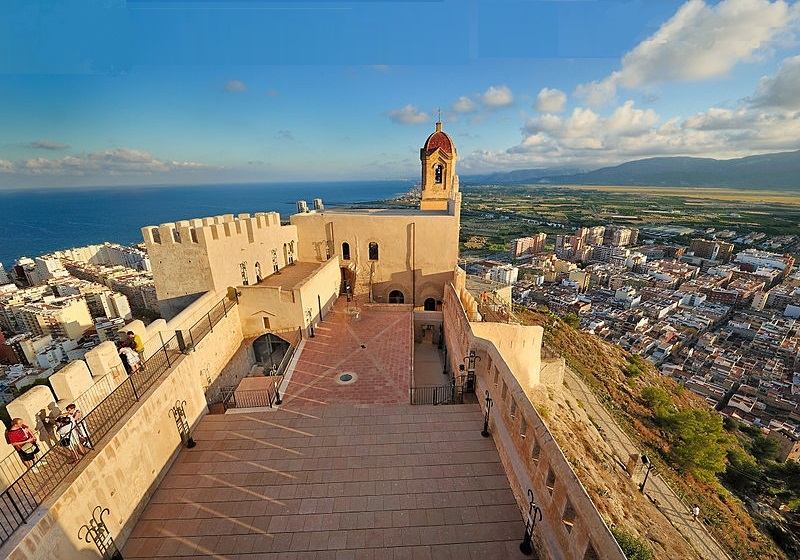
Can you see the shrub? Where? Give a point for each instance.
(635, 548)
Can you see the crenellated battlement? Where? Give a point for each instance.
(203, 231)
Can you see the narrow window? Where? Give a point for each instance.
(373, 251)
(156, 235)
(430, 304)
(346, 251)
(550, 482)
(266, 322)
(438, 172)
(568, 517)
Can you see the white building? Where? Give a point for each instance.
(506, 274)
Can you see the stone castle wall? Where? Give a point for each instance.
(192, 257)
(571, 527)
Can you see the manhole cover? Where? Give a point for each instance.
(346, 378)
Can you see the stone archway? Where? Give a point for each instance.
(396, 296)
(430, 304)
(269, 350)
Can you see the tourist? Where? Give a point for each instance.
(24, 441)
(130, 359)
(695, 511)
(137, 344)
(83, 432)
(67, 433)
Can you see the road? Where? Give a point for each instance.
(669, 504)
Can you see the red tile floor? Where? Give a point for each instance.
(338, 471)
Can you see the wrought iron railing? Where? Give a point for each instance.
(441, 394)
(28, 491)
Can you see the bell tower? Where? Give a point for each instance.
(439, 179)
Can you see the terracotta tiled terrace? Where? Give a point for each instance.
(340, 470)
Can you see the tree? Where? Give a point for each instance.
(743, 473)
(658, 400)
(763, 448)
(702, 443)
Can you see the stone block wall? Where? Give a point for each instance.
(571, 527)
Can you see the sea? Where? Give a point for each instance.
(36, 222)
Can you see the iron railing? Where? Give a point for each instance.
(253, 398)
(441, 394)
(29, 490)
(206, 323)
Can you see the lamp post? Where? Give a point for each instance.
(534, 514)
(649, 465)
(485, 431)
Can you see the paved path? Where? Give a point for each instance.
(335, 482)
(669, 504)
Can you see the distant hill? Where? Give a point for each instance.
(779, 171)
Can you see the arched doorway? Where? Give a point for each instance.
(430, 304)
(269, 350)
(396, 296)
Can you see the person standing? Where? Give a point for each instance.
(67, 433)
(24, 441)
(695, 511)
(137, 344)
(130, 359)
(83, 432)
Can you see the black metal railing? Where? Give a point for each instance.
(253, 398)
(28, 491)
(441, 394)
(206, 323)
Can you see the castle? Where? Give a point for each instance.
(226, 282)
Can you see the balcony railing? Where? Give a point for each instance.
(29, 490)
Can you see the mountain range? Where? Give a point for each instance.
(777, 172)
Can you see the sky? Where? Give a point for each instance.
(107, 92)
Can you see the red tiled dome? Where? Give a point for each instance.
(439, 140)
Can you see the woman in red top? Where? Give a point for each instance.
(19, 436)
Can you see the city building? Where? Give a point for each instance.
(528, 245)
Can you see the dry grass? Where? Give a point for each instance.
(599, 364)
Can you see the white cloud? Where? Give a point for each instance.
(627, 121)
(6, 166)
(719, 119)
(500, 96)
(550, 101)
(408, 115)
(598, 93)
(47, 145)
(781, 90)
(463, 105)
(235, 86)
(121, 161)
(699, 42)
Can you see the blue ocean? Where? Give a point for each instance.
(34, 222)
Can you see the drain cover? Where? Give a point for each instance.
(346, 378)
